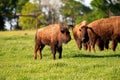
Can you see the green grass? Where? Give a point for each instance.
(17, 63)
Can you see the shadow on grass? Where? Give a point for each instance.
(96, 56)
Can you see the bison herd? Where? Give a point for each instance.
(98, 32)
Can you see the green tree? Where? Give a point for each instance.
(109, 7)
(18, 9)
(101, 9)
(9, 8)
(20, 4)
(74, 9)
(2, 26)
(52, 8)
(30, 21)
(6, 7)
(93, 15)
(27, 22)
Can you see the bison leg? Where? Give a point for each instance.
(100, 44)
(85, 46)
(93, 47)
(106, 44)
(41, 48)
(89, 47)
(53, 48)
(92, 44)
(60, 52)
(114, 42)
(114, 45)
(35, 51)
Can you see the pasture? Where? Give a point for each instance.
(17, 62)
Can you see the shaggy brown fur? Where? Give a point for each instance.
(105, 29)
(77, 35)
(53, 35)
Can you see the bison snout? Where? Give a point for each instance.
(83, 39)
(80, 46)
(68, 40)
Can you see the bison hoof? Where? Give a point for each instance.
(60, 57)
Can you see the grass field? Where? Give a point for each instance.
(17, 63)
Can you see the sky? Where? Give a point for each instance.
(86, 2)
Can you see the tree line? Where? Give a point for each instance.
(69, 12)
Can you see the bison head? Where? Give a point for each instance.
(83, 31)
(64, 34)
(84, 34)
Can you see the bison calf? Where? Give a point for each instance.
(53, 35)
(80, 29)
(77, 35)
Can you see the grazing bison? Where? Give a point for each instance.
(77, 35)
(53, 35)
(104, 29)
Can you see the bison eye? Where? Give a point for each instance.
(62, 31)
(79, 29)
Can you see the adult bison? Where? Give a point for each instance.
(105, 29)
(81, 41)
(77, 35)
(53, 35)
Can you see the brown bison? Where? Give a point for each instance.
(81, 41)
(53, 35)
(104, 29)
(77, 35)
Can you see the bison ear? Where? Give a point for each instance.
(62, 31)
